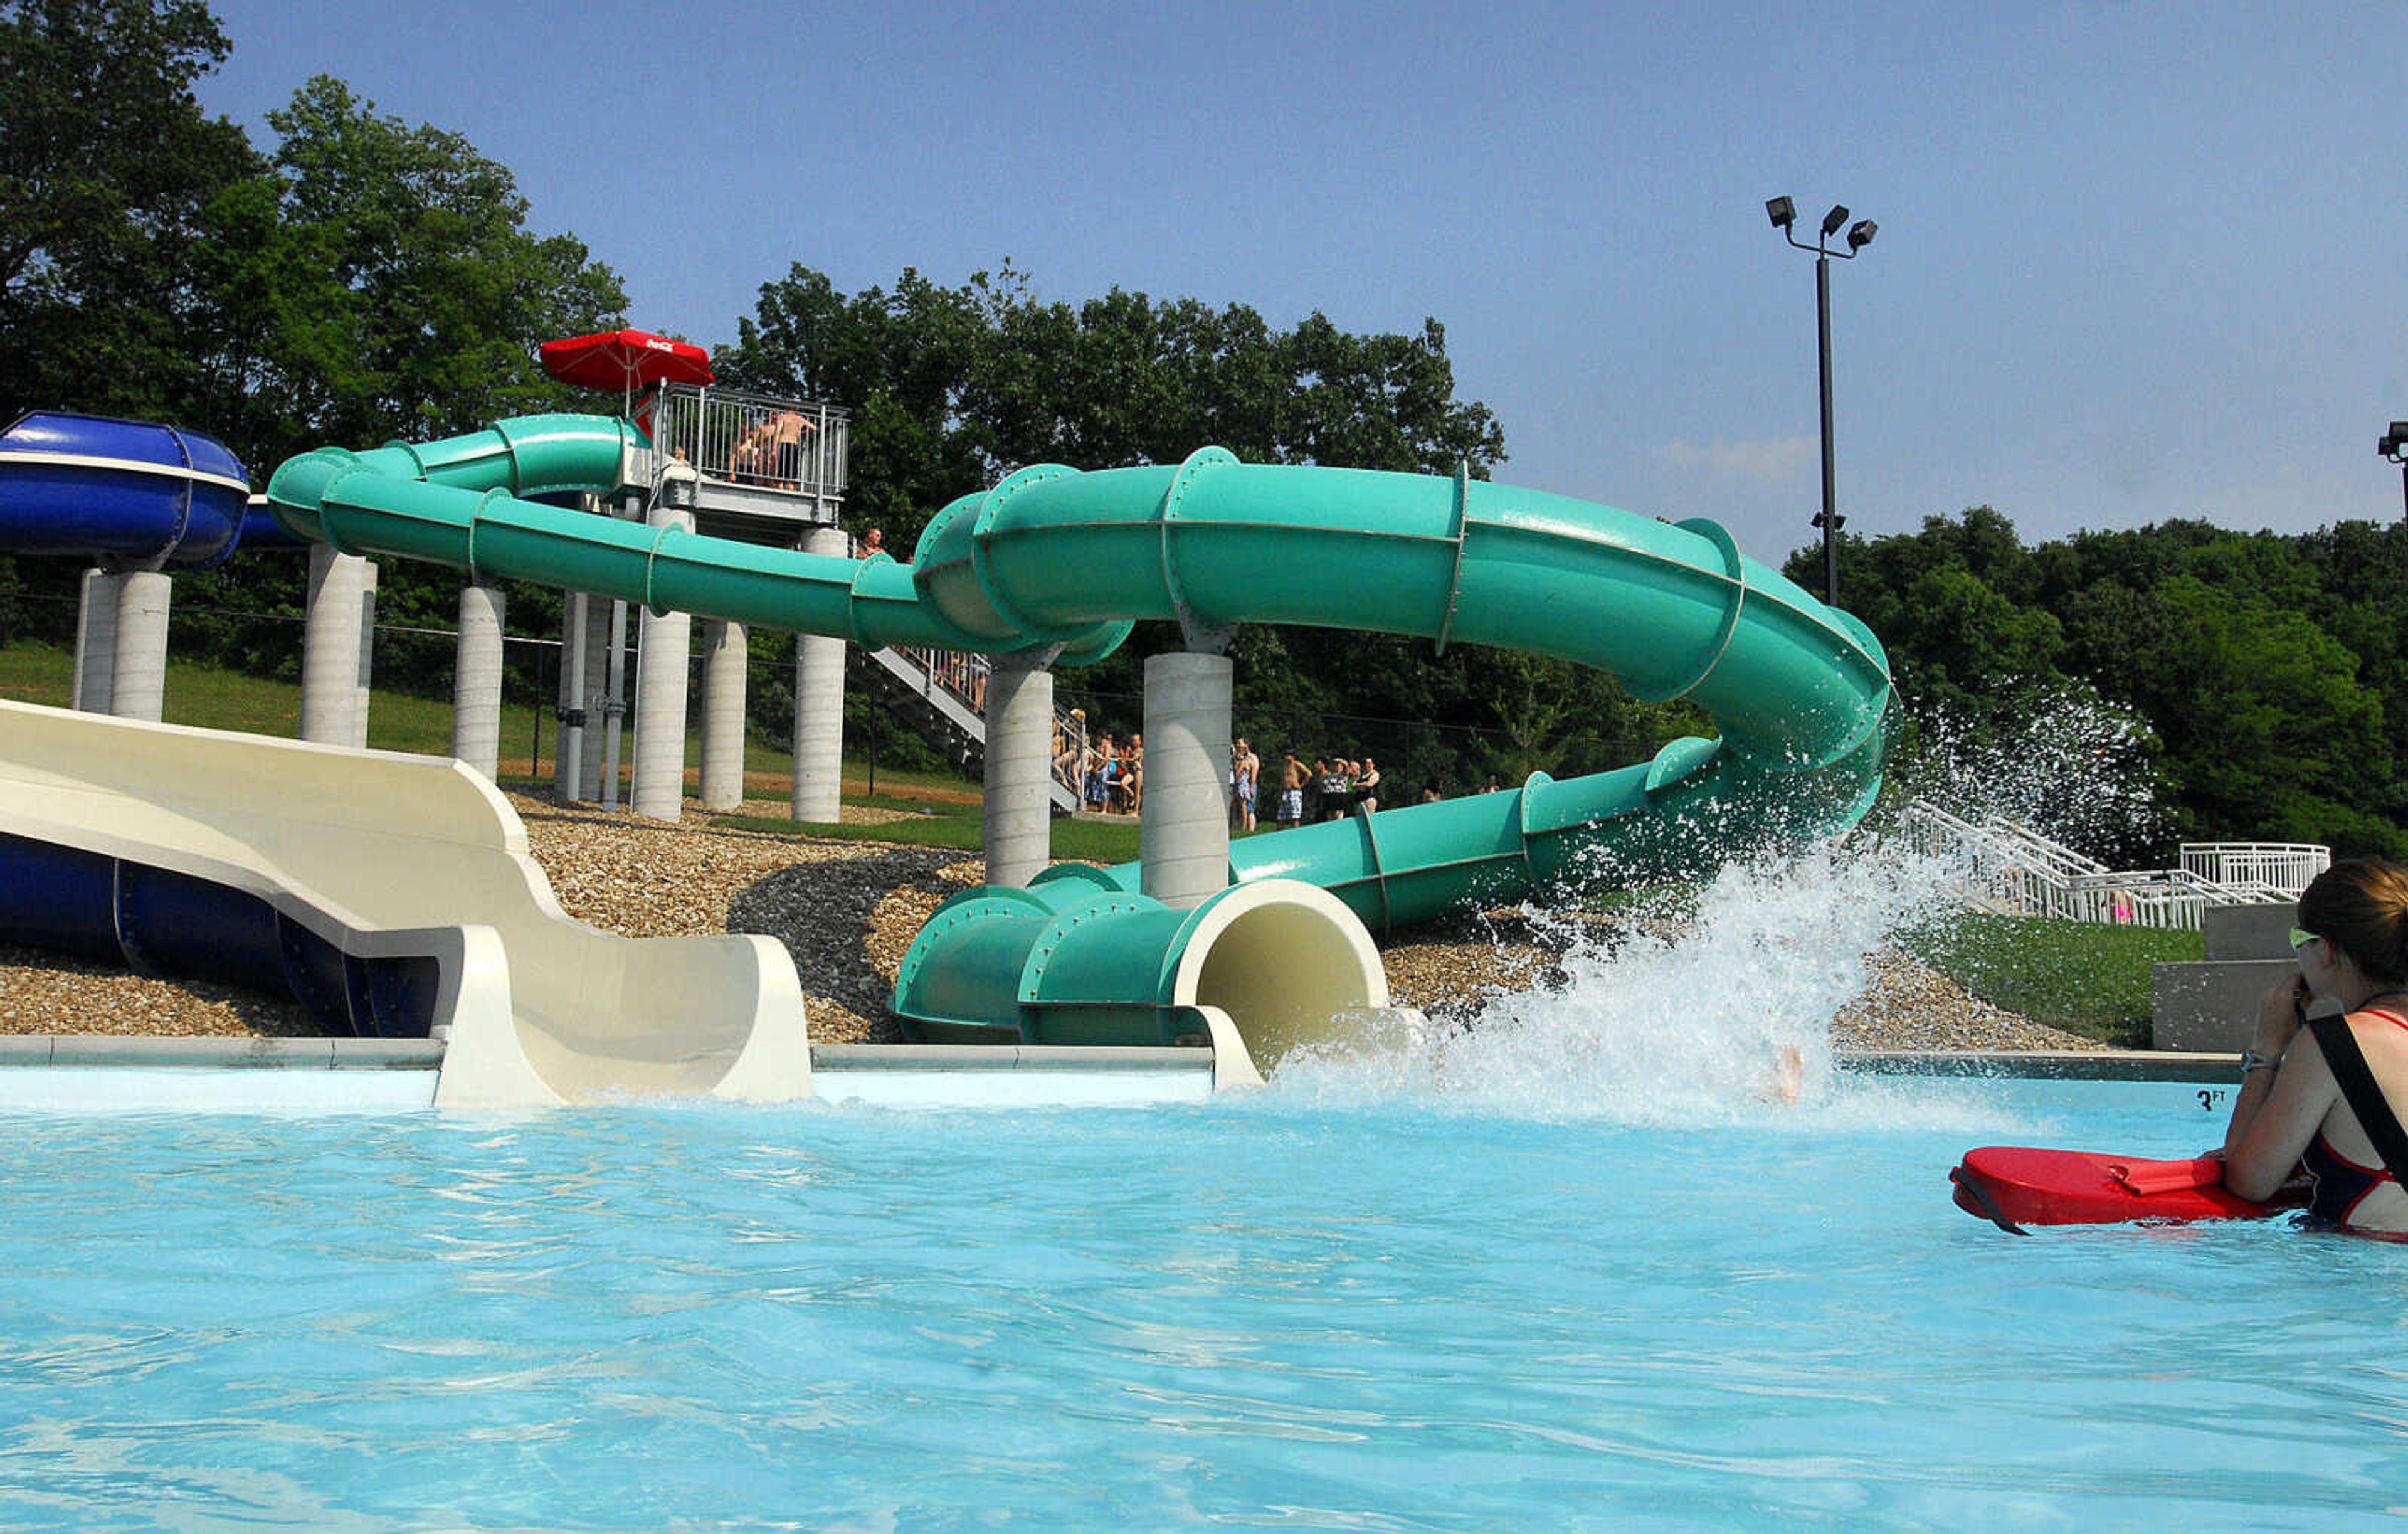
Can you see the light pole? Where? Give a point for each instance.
(2394, 445)
(1784, 214)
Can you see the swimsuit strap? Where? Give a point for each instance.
(2364, 1096)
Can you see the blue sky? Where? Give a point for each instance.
(2135, 261)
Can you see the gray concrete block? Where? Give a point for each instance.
(2248, 932)
(385, 1055)
(2211, 1006)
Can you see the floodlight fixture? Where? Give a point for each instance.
(2394, 447)
(1784, 214)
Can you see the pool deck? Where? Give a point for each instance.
(71, 1071)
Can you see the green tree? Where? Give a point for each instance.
(2267, 731)
(107, 166)
(955, 386)
(1954, 605)
(379, 280)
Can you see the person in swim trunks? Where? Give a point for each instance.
(1291, 798)
(1245, 768)
(2352, 945)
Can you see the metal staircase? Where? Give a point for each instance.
(2021, 872)
(941, 693)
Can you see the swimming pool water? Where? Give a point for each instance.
(1295, 1308)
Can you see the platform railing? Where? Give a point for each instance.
(2285, 867)
(734, 436)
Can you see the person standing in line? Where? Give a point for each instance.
(1290, 811)
(1245, 767)
(1067, 744)
(1099, 773)
(1115, 776)
(1333, 791)
(1366, 786)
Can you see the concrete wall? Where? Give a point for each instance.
(2214, 1005)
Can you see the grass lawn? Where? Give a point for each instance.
(949, 823)
(2083, 977)
(230, 700)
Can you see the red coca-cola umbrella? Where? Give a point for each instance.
(626, 360)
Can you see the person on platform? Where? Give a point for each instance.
(787, 429)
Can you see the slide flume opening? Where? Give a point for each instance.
(1285, 960)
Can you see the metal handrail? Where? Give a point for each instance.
(2031, 875)
(737, 437)
(964, 674)
(2287, 866)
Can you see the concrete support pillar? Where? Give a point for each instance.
(819, 709)
(1184, 823)
(662, 652)
(137, 682)
(477, 679)
(614, 704)
(96, 652)
(330, 646)
(602, 620)
(360, 693)
(723, 714)
(568, 779)
(1019, 814)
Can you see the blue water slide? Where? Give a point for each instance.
(157, 921)
(135, 496)
(125, 494)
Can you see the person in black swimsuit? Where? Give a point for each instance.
(2352, 944)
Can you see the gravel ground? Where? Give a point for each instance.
(847, 910)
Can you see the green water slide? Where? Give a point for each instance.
(1055, 557)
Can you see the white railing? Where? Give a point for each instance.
(2024, 873)
(2285, 866)
(737, 437)
(960, 672)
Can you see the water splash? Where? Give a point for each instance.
(2064, 763)
(1703, 1005)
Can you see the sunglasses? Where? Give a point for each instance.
(2301, 938)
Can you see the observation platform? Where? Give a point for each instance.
(754, 468)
